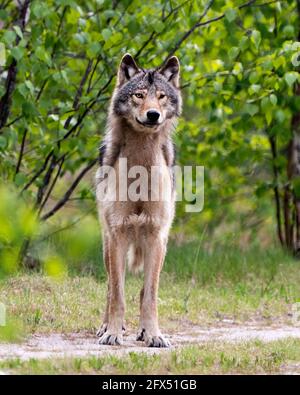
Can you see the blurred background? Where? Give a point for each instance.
(240, 84)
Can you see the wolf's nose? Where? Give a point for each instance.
(153, 115)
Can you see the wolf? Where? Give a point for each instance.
(142, 116)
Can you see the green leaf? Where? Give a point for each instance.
(116, 37)
(3, 15)
(289, 31)
(2, 55)
(290, 78)
(17, 53)
(256, 38)
(230, 14)
(296, 186)
(253, 77)
(73, 16)
(109, 14)
(244, 43)
(93, 49)
(159, 26)
(106, 33)
(64, 76)
(265, 103)
(238, 69)
(217, 86)
(9, 37)
(28, 110)
(233, 52)
(133, 27)
(273, 99)
(251, 109)
(2, 142)
(296, 59)
(23, 89)
(43, 55)
(280, 116)
(29, 86)
(20, 179)
(254, 88)
(269, 116)
(18, 31)
(39, 10)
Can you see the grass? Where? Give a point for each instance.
(253, 357)
(198, 287)
(206, 260)
(255, 285)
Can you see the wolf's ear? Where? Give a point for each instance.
(127, 69)
(170, 70)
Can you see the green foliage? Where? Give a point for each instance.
(17, 223)
(239, 74)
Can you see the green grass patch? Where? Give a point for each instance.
(253, 357)
(197, 286)
(208, 261)
(75, 304)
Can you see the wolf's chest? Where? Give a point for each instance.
(145, 156)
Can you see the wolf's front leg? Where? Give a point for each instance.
(116, 305)
(149, 329)
(103, 326)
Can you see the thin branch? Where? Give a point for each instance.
(61, 19)
(79, 92)
(154, 34)
(46, 179)
(87, 110)
(267, 3)
(54, 160)
(149, 39)
(174, 10)
(200, 24)
(189, 32)
(41, 90)
(276, 189)
(65, 227)
(4, 4)
(82, 82)
(69, 192)
(5, 101)
(73, 129)
(38, 173)
(60, 162)
(14, 121)
(21, 151)
(88, 89)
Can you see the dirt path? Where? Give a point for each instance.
(84, 345)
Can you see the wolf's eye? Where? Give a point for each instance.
(139, 95)
(162, 95)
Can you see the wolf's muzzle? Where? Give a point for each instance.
(152, 116)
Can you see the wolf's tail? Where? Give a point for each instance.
(135, 258)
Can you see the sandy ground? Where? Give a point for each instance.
(83, 345)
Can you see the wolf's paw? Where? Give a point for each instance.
(156, 341)
(103, 328)
(140, 335)
(111, 339)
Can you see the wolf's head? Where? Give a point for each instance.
(146, 99)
